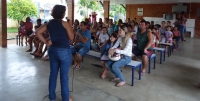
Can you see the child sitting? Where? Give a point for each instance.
(104, 53)
(176, 37)
(96, 36)
(103, 38)
(22, 32)
(156, 36)
(168, 35)
(110, 29)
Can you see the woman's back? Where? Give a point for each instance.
(58, 34)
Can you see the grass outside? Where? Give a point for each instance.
(11, 32)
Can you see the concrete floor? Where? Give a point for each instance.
(25, 78)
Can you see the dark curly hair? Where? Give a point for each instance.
(58, 12)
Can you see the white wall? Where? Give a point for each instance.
(11, 23)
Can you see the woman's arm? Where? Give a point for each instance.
(128, 46)
(40, 32)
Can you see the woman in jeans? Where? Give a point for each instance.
(125, 44)
(59, 52)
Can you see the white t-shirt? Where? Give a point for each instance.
(98, 32)
(103, 37)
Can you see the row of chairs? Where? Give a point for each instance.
(137, 64)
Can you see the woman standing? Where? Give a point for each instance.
(125, 44)
(60, 55)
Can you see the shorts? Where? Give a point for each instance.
(79, 49)
(137, 52)
(29, 33)
(176, 37)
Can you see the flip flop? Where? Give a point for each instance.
(77, 67)
(143, 73)
(73, 66)
(120, 84)
(32, 53)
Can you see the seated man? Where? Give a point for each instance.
(144, 42)
(32, 36)
(82, 45)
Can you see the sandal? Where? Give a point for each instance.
(104, 75)
(45, 58)
(143, 73)
(115, 79)
(77, 67)
(121, 84)
(73, 66)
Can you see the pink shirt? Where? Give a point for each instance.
(176, 33)
(29, 26)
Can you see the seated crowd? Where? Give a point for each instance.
(129, 39)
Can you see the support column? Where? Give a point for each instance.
(106, 7)
(3, 24)
(70, 5)
(128, 8)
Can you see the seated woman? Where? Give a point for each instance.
(104, 53)
(156, 36)
(125, 43)
(82, 45)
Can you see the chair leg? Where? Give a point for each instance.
(160, 57)
(154, 63)
(140, 70)
(149, 66)
(17, 39)
(164, 55)
(132, 76)
(168, 51)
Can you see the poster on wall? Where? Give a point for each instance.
(140, 12)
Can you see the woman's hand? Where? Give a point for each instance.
(49, 43)
(111, 52)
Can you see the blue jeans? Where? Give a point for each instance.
(79, 49)
(181, 29)
(114, 66)
(60, 59)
